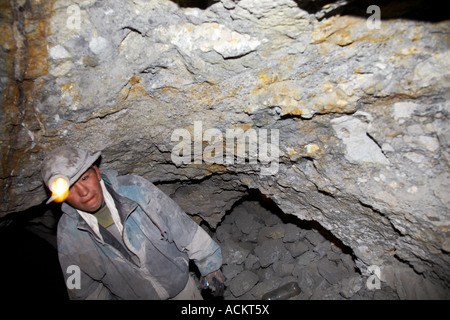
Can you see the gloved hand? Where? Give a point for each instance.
(214, 281)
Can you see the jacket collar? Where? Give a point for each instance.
(124, 205)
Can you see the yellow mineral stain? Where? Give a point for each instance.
(243, 126)
(133, 90)
(312, 148)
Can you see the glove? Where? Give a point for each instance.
(215, 282)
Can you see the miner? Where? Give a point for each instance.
(128, 239)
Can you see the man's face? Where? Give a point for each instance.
(86, 193)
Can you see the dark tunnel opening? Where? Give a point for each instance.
(30, 269)
(418, 10)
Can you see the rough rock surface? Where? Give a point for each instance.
(361, 111)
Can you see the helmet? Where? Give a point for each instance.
(67, 163)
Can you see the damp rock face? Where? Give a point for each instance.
(357, 113)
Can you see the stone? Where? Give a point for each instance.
(233, 253)
(252, 237)
(350, 286)
(243, 283)
(265, 273)
(348, 262)
(265, 286)
(330, 270)
(208, 36)
(251, 261)
(282, 269)
(359, 146)
(224, 232)
(291, 233)
(322, 249)
(245, 221)
(333, 256)
(314, 237)
(306, 258)
(274, 232)
(269, 251)
(308, 277)
(230, 271)
(404, 110)
(272, 220)
(297, 248)
(58, 52)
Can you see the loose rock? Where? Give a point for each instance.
(284, 253)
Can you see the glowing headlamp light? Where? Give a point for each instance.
(59, 186)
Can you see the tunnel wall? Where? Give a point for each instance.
(354, 104)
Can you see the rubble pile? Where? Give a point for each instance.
(264, 250)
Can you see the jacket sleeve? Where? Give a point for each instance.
(178, 227)
(80, 285)
(206, 253)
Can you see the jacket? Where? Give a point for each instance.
(159, 239)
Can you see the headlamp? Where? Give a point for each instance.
(59, 186)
